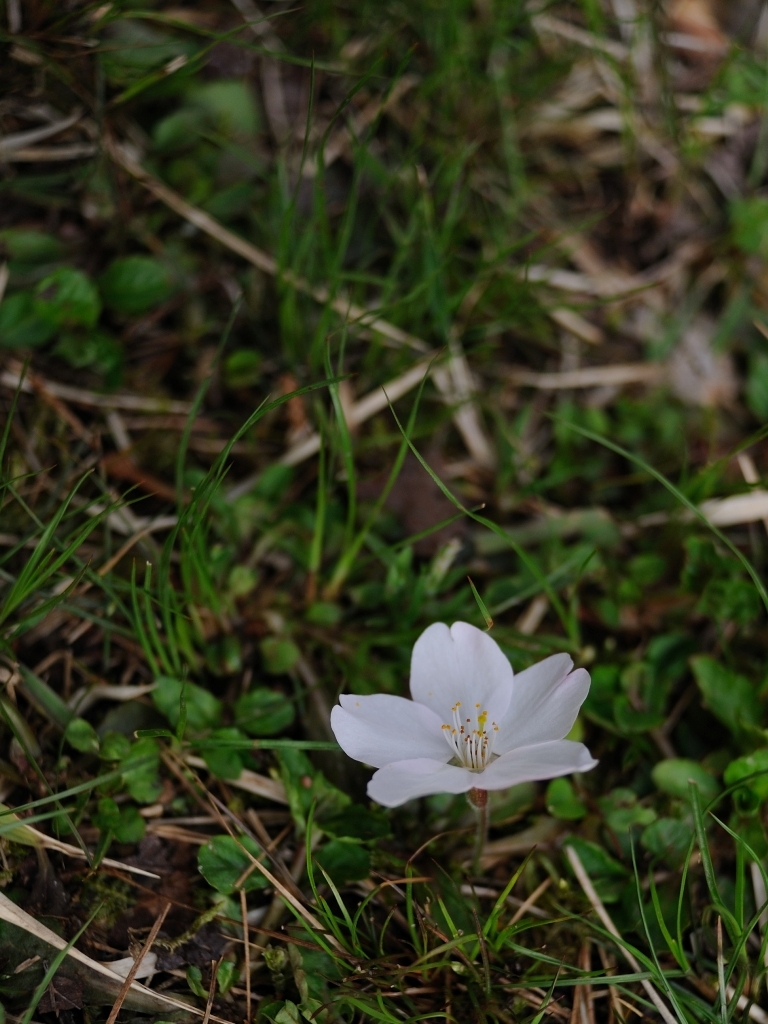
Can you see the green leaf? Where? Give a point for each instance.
(141, 779)
(668, 838)
(179, 130)
(729, 696)
(263, 712)
(203, 709)
(226, 975)
(134, 284)
(228, 106)
(231, 201)
(20, 325)
(131, 827)
(67, 298)
(133, 48)
(630, 719)
(195, 981)
(279, 655)
(562, 801)
(46, 699)
(749, 218)
(82, 736)
(125, 823)
(673, 775)
(114, 746)
(595, 859)
(481, 605)
(757, 385)
(344, 861)
(608, 875)
(223, 861)
(752, 831)
(242, 581)
(224, 762)
(242, 368)
(357, 822)
(30, 246)
(90, 348)
(304, 785)
(289, 1014)
(324, 613)
(749, 797)
(622, 811)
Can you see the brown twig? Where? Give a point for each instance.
(211, 991)
(117, 1006)
(246, 954)
(531, 901)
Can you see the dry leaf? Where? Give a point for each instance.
(698, 374)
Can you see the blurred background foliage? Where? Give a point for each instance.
(222, 229)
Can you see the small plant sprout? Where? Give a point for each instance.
(472, 725)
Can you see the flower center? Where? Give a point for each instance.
(469, 737)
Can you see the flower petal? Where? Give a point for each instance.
(380, 728)
(395, 783)
(545, 702)
(529, 764)
(460, 664)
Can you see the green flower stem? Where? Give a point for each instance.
(478, 798)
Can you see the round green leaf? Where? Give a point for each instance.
(131, 826)
(140, 771)
(228, 106)
(114, 746)
(562, 801)
(753, 767)
(672, 777)
(242, 368)
(82, 736)
(224, 761)
(263, 712)
(89, 348)
(344, 861)
(30, 246)
(134, 284)
(202, 708)
(356, 822)
(754, 764)
(749, 218)
(107, 816)
(223, 860)
(67, 298)
(279, 655)
(242, 581)
(324, 613)
(668, 838)
(622, 811)
(20, 325)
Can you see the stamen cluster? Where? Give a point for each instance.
(471, 741)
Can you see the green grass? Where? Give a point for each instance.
(435, 157)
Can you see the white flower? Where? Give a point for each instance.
(472, 723)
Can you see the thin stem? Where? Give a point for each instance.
(478, 798)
